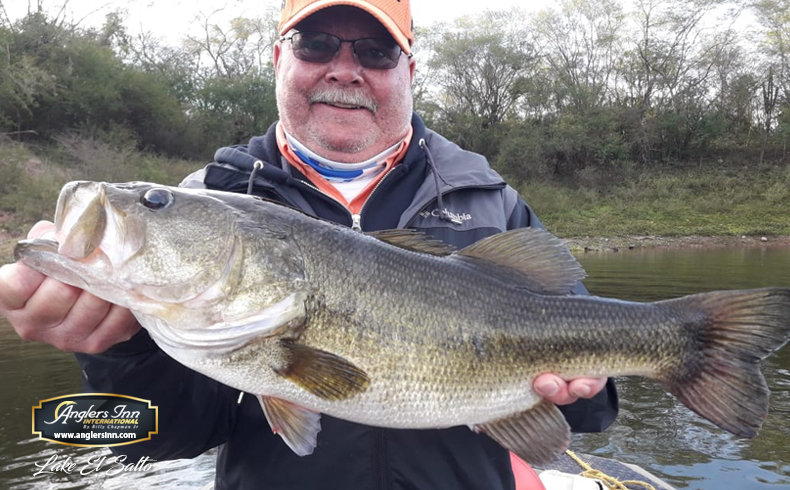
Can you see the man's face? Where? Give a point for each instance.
(312, 98)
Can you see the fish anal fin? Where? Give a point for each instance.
(415, 241)
(322, 373)
(535, 259)
(538, 435)
(297, 426)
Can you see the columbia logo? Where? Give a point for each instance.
(457, 218)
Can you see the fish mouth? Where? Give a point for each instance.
(80, 219)
(88, 224)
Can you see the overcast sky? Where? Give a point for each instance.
(170, 19)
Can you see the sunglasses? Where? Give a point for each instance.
(320, 47)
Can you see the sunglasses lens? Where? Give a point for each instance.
(320, 47)
(315, 47)
(380, 54)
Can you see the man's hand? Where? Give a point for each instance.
(563, 392)
(41, 308)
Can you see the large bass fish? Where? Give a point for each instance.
(390, 328)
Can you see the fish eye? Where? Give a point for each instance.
(157, 198)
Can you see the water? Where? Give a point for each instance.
(653, 429)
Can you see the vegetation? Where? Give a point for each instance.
(611, 116)
(588, 86)
(31, 176)
(668, 201)
(679, 201)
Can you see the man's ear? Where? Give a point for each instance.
(277, 51)
(412, 67)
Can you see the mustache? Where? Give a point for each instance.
(344, 97)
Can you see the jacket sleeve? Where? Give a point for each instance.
(195, 413)
(586, 415)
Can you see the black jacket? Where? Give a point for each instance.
(438, 188)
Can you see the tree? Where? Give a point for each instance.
(58, 77)
(668, 68)
(580, 43)
(770, 93)
(21, 82)
(230, 52)
(480, 67)
(774, 16)
(232, 93)
(574, 83)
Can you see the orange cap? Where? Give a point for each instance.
(395, 15)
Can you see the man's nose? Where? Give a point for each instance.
(345, 67)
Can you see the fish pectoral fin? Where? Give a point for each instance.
(322, 373)
(538, 435)
(297, 426)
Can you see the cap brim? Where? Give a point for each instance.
(380, 16)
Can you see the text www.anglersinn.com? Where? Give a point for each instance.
(94, 435)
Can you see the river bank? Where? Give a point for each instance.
(620, 244)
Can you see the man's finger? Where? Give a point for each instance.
(42, 229)
(118, 326)
(586, 387)
(547, 385)
(17, 284)
(561, 392)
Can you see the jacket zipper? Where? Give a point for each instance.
(356, 218)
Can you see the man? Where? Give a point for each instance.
(347, 148)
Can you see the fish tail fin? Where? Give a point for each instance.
(733, 331)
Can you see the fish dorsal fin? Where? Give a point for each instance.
(413, 240)
(536, 259)
(538, 435)
(297, 426)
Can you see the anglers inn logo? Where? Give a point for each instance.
(95, 419)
